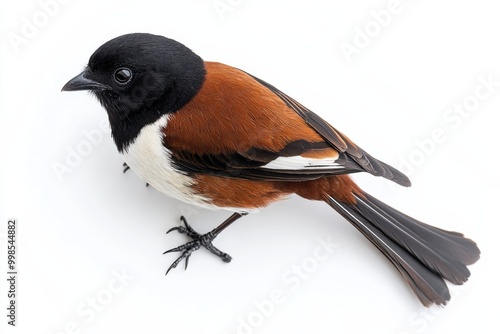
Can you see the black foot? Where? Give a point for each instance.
(199, 240)
(126, 168)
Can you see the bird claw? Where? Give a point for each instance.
(125, 167)
(199, 240)
(185, 255)
(186, 229)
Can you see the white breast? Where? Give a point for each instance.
(151, 161)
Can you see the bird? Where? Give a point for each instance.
(217, 137)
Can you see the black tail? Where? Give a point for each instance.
(423, 254)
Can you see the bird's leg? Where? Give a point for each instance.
(200, 240)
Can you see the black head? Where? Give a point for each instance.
(138, 78)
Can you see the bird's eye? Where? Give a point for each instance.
(123, 76)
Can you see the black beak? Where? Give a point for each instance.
(82, 82)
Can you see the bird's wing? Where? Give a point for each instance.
(266, 165)
(240, 126)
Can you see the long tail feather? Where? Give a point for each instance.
(423, 254)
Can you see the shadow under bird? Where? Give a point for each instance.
(215, 136)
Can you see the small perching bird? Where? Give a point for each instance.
(214, 136)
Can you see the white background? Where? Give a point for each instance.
(79, 229)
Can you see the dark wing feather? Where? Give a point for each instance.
(339, 141)
(251, 164)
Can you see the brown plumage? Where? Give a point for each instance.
(238, 193)
(238, 113)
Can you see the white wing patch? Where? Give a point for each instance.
(301, 163)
